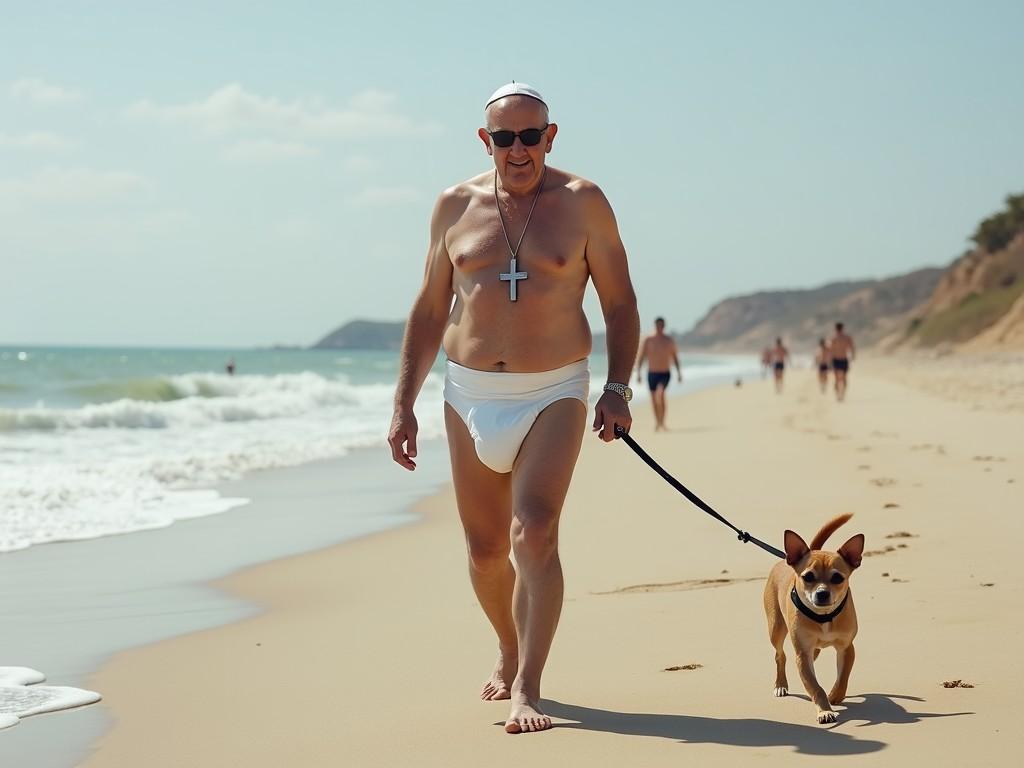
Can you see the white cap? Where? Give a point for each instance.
(515, 89)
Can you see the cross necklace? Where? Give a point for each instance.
(513, 275)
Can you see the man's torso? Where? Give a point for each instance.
(840, 346)
(545, 327)
(660, 352)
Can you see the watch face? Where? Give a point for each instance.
(627, 393)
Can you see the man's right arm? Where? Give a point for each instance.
(423, 332)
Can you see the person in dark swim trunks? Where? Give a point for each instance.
(843, 352)
(779, 357)
(659, 350)
(823, 358)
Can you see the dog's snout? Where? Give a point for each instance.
(821, 597)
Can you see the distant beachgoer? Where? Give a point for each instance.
(843, 352)
(779, 357)
(230, 367)
(823, 359)
(660, 352)
(766, 361)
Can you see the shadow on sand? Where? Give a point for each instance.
(806, 739)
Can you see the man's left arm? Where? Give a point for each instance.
(606, 259)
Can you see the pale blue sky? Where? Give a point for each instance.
(235, 174)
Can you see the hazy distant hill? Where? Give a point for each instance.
(871, 309)
(364, 334)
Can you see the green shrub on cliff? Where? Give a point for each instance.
(995, 233)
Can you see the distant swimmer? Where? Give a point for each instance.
(660, 352)
(230, 367)
(823, 359)
(843, 352)
(780, 355)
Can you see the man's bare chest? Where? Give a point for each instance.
(554, 242)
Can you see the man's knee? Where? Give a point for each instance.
(488, 554)
(535, 529)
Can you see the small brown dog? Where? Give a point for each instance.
(808, 598)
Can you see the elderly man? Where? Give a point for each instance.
(510, 254)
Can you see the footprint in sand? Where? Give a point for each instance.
(956, 684)
(684, 666)
(988, 458)
(678, 586)
(863, 466)
(888, 548)
(901, 534)
(876, 433)
(864, 449)
(890, 505)
(883, 482)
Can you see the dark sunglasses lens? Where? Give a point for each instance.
(531, 136)
(504, 139)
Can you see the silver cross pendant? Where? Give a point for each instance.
(512, 276)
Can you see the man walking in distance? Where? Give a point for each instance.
(660, 352)
(780, 355)
(515, 247)
(843, 352)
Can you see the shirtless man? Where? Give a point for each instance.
(659, 349)
(823, 360)
(780, 355)
(843, 352)
(514, 247)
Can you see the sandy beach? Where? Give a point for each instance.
(372, 653)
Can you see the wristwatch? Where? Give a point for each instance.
(622, 390)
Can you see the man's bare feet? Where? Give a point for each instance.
(496, 688)
(526, 716)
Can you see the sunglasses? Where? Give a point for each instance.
(530, 137)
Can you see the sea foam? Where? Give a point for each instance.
(21, 695)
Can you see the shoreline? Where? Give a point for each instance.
(107, 595)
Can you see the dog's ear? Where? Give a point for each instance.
(795, 547)
(853, 550)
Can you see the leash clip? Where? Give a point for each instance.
(744, 537)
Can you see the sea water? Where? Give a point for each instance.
(101, 441)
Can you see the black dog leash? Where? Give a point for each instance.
(694, 498)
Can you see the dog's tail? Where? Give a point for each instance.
(827, 530)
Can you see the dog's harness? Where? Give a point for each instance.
(694, 498)
(821, 618)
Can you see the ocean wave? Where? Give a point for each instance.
(197, 399)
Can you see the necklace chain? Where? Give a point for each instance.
(497, 207)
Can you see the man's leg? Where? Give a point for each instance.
(662, 406)
(840, 385)
(485, 507)
(540, 480)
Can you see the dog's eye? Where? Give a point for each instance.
(837, 578)
(809, 578)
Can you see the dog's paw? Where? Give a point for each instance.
(826, 716)
(836, 698)
(781, 691)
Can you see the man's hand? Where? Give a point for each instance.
(611, 411)
(402, 437)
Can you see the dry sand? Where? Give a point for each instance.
(372, 653)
